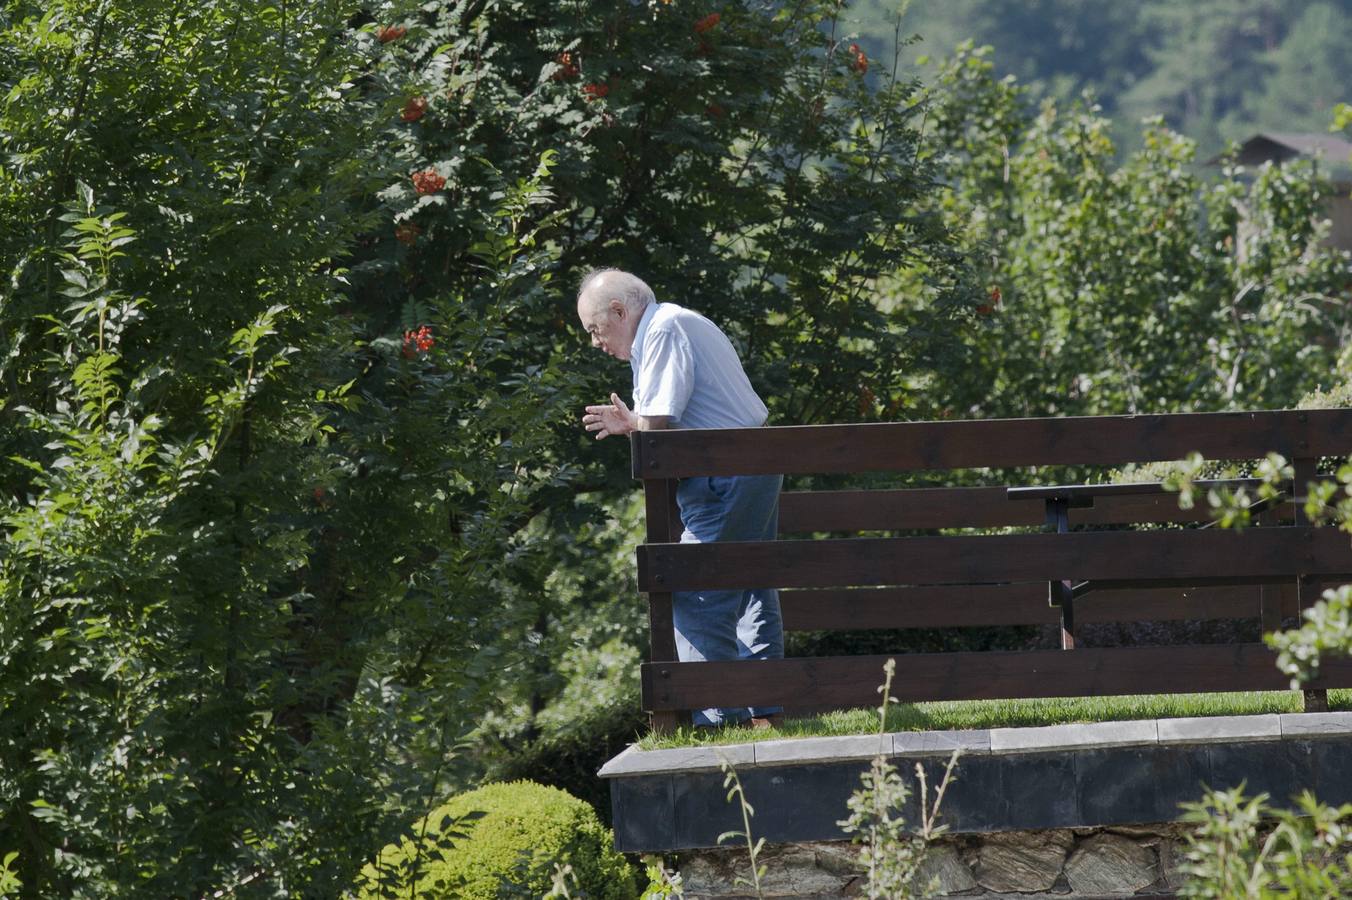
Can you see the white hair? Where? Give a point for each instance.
(616, 284)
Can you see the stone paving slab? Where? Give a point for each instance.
(1217, 729)
(795, 751)
(929, 743)
(1073, 736)
(1316, 724)
(683, 759)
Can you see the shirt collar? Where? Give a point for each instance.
(636, 351)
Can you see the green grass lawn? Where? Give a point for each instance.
(944, 715)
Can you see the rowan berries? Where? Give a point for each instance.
(414, 109)
(418, 341)
(708, 22)
(428, 181)
(568, 68)
(859, 60)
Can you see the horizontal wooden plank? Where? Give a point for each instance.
(1015, 604)
(897, 510)
(846, 681)
(916, 607)
(969, 507)
(995, 559)
(1095, 491)
(999, 443)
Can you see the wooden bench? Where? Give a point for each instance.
(926, 579)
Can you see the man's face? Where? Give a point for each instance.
(610, 325)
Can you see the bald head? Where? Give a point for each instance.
(603, 285)
(610, 303)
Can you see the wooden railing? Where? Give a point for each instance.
(938, 581)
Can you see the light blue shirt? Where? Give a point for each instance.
(686, 368)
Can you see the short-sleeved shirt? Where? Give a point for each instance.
(686, 368)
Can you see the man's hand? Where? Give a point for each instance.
(614, 418)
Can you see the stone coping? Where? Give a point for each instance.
(993, 741)
(1012, 779)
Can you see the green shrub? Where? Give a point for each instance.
(1245, 847)
(9, 880)
(502, 840)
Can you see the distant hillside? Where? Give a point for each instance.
(1217, 70)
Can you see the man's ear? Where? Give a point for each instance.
(619, 309)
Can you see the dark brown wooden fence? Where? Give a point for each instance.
(933, 581)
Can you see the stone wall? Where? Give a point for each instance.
(1034, 812)
(1062, 863)
(1050, 779)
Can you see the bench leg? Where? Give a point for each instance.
(1067, 603)
(1061, 593)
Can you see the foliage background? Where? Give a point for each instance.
(281, 567)
(1216, 70)
(281, 570)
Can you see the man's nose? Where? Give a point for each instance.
(596, 340)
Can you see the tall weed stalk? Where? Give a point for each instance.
(892, 854)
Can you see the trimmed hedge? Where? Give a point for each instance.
(502, 840)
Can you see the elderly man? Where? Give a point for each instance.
(687, 375)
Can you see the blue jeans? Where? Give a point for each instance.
(729, 624)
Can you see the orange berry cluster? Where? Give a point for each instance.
(858, 59)
(568, 68)
(708, 22)
(428, 181)
(417, 341)
(414, 109)
(985, 309)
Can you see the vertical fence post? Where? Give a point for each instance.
(1269, 595)
(1308, 587)
(663, 520)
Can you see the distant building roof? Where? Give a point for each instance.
(1274, 146)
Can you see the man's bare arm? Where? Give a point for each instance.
(617, 418)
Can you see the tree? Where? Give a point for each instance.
(289, 440)
(1306, 73)
(227, 511)
(1132, 287)
(769, 196)
(1214, 70)
(1057, 47)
